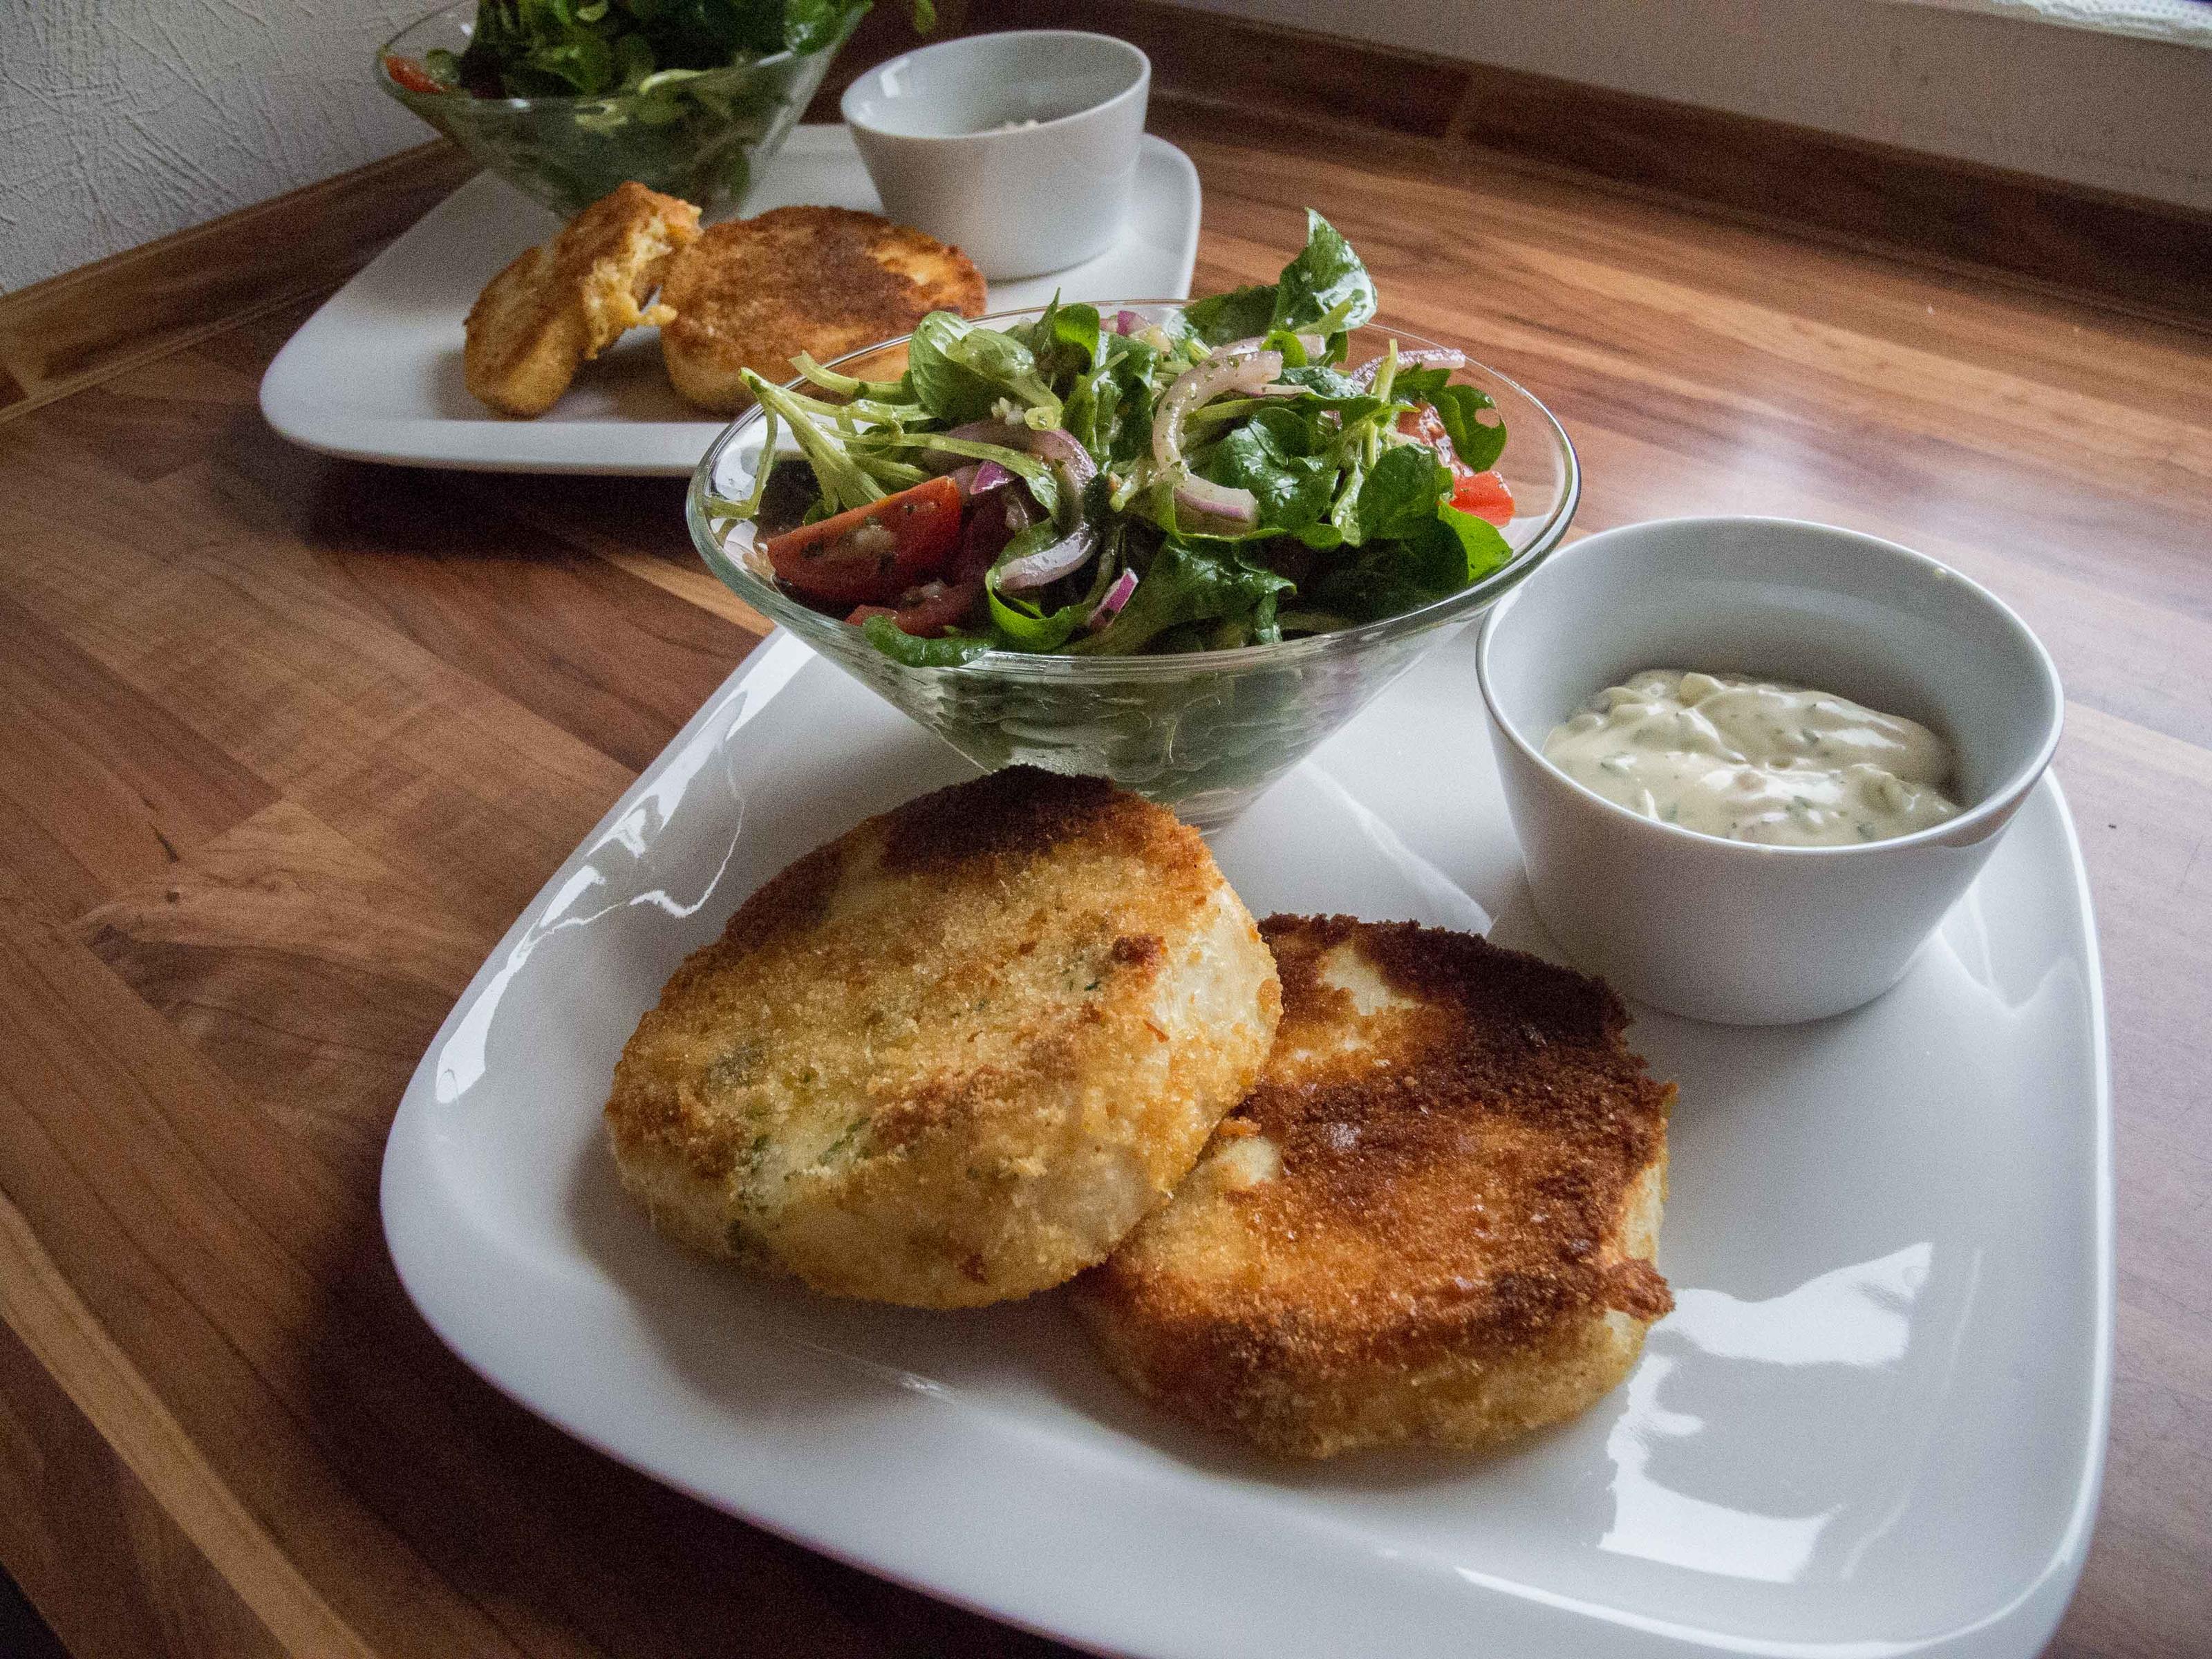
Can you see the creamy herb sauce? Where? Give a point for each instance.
(1755, 760)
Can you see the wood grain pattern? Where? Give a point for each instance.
(74, 330)
(286, 743)
(204, 1568)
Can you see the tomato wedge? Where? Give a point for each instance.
(1484, 494)
(926, 610)
(410, 75)
(871, 553)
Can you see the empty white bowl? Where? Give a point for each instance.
(1018, 148)
(1734, 931)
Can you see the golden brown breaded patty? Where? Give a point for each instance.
(1432, 1221)
(554, 306)
(955, 1054)
(755, 293)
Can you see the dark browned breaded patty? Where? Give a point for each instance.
(755, 293)
(954, 1056)
(1432, 1219)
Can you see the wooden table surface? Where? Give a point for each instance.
(286, 743)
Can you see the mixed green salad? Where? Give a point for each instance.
(589, 48)
(1107, 484)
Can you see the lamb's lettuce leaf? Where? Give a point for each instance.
(1477, 445)
(1325, 288)
(1401, 495)
(961, 372)
(1325, 284)
(1272, 455)
(1188, 581)
(1482, 545)
(950, 651)
(1238, 314)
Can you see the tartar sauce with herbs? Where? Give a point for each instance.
(1756, 760)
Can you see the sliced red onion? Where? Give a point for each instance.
(1053, 446)
(1312, 344)
(1068, 458)
(985, 477)
(1060, 449)
(988, 432)
(1128, 322)
(963, 479)
(1441, 357)
(1110, 607)
(1201, 504)
(1049, 564)
(1224, 370)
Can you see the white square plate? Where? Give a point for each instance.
(376, 374)
(1874, 1425)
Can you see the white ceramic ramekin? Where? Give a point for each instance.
(1019, 148)
(1731, 930)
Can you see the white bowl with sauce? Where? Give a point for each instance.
(1020, 148)
(1742, 931)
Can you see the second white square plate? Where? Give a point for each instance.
(376, 374)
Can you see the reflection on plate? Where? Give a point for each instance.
(1873, 1426)
(376, 374)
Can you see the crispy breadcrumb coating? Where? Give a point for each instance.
(755, 293)
(953, 1056)
(1432, 1221)
(556, 307)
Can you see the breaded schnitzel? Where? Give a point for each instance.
(1432, 1220)
(955, 1054)
(755, 293)
(554, 307)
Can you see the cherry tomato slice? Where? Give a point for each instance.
(871, 553)
(410, 75)
(1484, 494)
(927, 610)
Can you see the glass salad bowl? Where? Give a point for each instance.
(703, 136)
(1202, 731)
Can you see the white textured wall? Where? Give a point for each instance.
(2128, 115)
(123, 120)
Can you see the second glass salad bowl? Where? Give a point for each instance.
(1202, 731)
(703, 135)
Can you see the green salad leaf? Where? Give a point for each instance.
(1188, 581)
(1327, 282)
(1460, 408)
(1273, 455)
(1481, 543)
(1236, 315)
(961, 374)
(954, 651)
(1401, 495)
(1065, 339)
